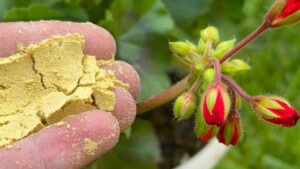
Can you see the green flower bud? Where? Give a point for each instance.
(201, 46)
(223, 48)
(210, 34)
(184, 106)
(180, 48)
(208, 77)
(234, 66)
(192, 47)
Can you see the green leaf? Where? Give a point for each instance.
(141, 29)
(124, 14)
(72, 11)
(32, 13)
(185, 12)
(140, 151)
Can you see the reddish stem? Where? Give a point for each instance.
(163, 97)
(217, 67)
(244, 42)
(237, 88)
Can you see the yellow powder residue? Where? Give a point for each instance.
(90, 146)
(44, 83)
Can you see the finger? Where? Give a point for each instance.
(74, 144)
(125, 109)
(127, 74)
(99, 42)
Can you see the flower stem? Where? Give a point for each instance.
(163, 97)
(207, 48)
(217, 67)
(247, 40)
(181, 60)
(237, 88)
(196, 84)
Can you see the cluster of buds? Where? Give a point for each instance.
(213, 96)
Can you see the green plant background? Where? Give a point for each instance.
(143, 28)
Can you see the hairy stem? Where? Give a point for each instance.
(207, 48)
(264, 26)
(163, 97)
(181, 60)
(196, 84)
(217, 67)
(237, 88)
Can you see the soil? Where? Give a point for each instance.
(177, 139)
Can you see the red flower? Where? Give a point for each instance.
(284, 12)
(215, 104)
(276, 110)
(232, 130)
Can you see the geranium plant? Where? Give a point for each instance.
(209, 90)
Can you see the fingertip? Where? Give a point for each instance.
(99, 42)
(71, 144)
(125, 109)
(127, 74)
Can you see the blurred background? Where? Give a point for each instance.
(143, 28)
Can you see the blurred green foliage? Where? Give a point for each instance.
(142, 30)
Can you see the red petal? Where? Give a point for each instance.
(219, 109)
(290, 7)
(220, 135)
(287, 121)
(235, 136)
(208, 134)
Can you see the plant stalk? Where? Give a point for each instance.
(264, 26)
(237, 88)
(163, 97)
(217, 67)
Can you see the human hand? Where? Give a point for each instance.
(58, 147)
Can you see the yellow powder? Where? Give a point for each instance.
(90, 146)
(44, 83)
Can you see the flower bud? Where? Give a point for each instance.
(201, 46)
(283, 12)
(231, 131)
(202, 129)
(234, 66)
(215, 104)
(184, 106)
(223, 48)
(208, 77)
(180, 48)
(192, 47)
(276, 110)
(210, 34)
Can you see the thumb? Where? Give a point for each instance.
(71, 144)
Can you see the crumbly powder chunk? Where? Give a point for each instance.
(47, 82)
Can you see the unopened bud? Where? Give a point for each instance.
(283, 12)
(216, 104)
(208, 77)
(201, 46)
(202, 129)
(231, 132)
(180, 48)
(192, 47)
(223, 48)
(276, 110)
(184, 106)
(210, 34)
(234, 66)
